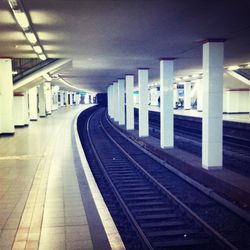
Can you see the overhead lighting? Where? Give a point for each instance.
(233, 67)
(185, 77)
(177, 79)
(21, 19)
(31, 37)
(14, 72)
(38, 49)
(42, 57)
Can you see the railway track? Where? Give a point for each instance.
(235, 155)
(164, 210)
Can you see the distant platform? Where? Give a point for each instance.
(242, 118)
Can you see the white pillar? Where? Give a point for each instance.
(129, 102)
(212, 125)
(199, 95)
(61, 98)
(20, 109)
(54, 98)
(187, 95)
(78, 98)
(175, 95)
(143, 102)
(33, 104)
(48, 97)
(70, 98)
(66, 98)
(166, 107)
(121, 102)
(41, 101)
(6, 97)
(112, 101)
(115, 101)
(109, 100)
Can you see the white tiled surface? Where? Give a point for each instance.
(40, 201)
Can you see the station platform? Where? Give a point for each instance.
(48, 197)
(242, 118)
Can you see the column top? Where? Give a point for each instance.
(143, 68)
(120, 79)
(213, 40)
(167, 58)
(129, 74)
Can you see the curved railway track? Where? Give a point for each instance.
(165, 211)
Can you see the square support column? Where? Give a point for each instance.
(6, 97)
(61, 98)
(175, 96)
(129, 102)
(166, 106)
(116, 101)
(20, 109)
(48, 98)
(199, 95)
(42, 101)
(212, 123)
(33, 104)
(112, 101)
(109, 100)
(187, 95)
(143, 102)
(121, 101)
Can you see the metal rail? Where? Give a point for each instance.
(119, 198)
(186, 209)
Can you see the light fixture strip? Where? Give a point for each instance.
(23, 21)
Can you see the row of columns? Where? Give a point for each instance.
(17, 109)
(210, 100)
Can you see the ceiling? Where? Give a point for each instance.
(107, 39)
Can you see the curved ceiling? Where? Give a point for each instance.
(110, 38)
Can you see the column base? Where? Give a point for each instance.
(212, 167)
(167, 147)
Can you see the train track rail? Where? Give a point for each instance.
(165, 211)
(235, 156)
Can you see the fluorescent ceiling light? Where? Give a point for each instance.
(38, 49)
(177, 79)
(21, 19)
(233, 67)
(186, 77)
(14, 72)
(31, 37)
(42, 57)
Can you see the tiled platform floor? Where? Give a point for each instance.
(40, 200)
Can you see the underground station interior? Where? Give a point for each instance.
(124, 124)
